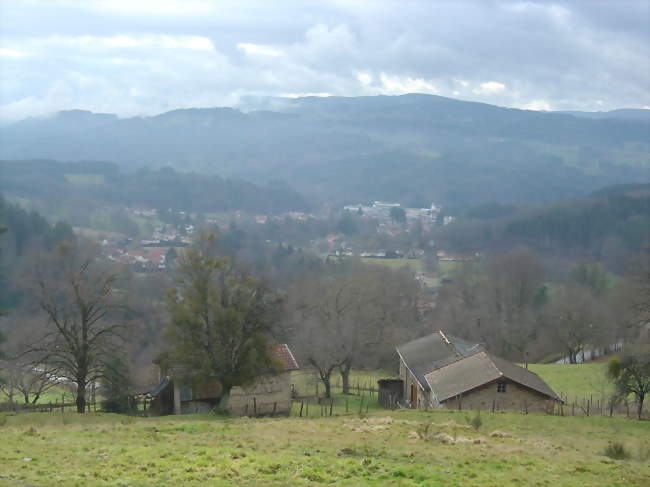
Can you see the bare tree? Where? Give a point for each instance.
(574, 319)
(515, 278)
(631, 374)
(27, 381)
(22, 377)
(495, 303)
(83, 332)
(321, 311)
(347, 316)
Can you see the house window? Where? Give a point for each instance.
(501, 387)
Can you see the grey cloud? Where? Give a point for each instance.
(562, 54)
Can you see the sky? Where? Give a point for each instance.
(143, 57)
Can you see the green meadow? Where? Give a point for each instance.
(413, 264)
(382, 448)
(575, 381)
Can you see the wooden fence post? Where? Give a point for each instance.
(301, 405)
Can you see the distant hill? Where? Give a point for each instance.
(413, 148)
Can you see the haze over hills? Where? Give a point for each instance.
(621, 114)
(412, 148)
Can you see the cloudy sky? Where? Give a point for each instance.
(140, 57)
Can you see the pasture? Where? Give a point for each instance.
(414, 265)
(80, 179)
(576, 381)
(396, 448)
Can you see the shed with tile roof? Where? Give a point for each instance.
(440, 370)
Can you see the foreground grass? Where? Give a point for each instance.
(381, 449)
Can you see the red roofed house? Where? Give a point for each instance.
(270, 394)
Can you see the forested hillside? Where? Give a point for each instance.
(96, 183)
(607, 226)
(413, 148)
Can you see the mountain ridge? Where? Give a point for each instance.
(397, 147)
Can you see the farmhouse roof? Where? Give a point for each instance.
(481, 368)
(428, 353)
(283, 352)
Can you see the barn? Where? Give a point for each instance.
(442, 371)
(270, 394)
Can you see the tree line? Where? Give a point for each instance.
(506, 302)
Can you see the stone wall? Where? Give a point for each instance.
(409, 380)
(515, 398)
(196, 407)
(269, 391)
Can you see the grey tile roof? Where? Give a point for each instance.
(432, 351)
(481, 368)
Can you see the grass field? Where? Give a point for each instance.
(305, 380)
(52, 395)
(577, 381)
(413, 264)
(85, 179)
(386, 448)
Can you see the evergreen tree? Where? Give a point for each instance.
(220, 320)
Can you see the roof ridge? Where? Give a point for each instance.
(449, 344)
(491, 357)
(458, 359)
(496, 367)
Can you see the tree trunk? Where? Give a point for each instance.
(81, 396)
(573, 357)
(328, 387)
(640, 398)
(345, 369)
(325, 377)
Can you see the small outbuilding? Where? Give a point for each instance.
(270, 394)
(441, 371)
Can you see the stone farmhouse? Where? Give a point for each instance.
(441, 371)
(270, 394)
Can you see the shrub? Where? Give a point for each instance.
(476, 422)
(423, 431)
(616, 450)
